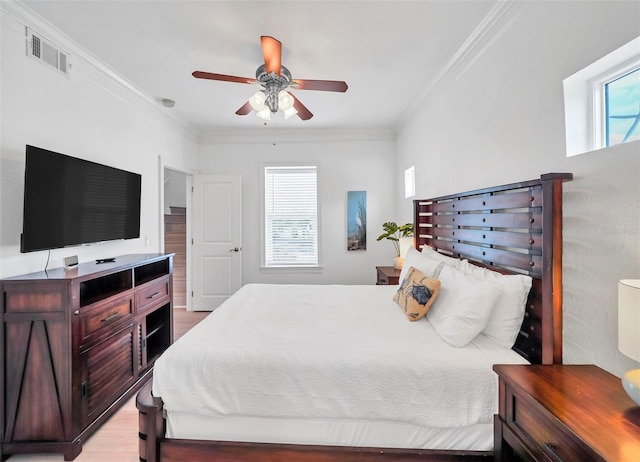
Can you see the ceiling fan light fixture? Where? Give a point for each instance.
(257, 101)
(275, 79)
(264, 113)
(285, 100)
(289, 112)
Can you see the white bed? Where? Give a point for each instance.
(331, 364)
(377, 386)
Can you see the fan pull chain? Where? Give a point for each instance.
(273, 129)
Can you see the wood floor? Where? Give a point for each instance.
(117, 439)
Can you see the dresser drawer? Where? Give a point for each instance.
(152, 294)
(542, 432)
(103, 315)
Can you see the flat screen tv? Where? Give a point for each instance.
(70, 201)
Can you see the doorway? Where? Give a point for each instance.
(175, 231)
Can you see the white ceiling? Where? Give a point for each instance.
(389, 52)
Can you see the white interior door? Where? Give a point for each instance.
(216, 250)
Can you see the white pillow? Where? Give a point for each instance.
(463, 306)
(426, 261)
(429, 252)
(506, 318)
(414, 258)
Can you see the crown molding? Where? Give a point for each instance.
(482, 36)
(269, 135)
(83, 62)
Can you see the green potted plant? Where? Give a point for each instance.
(394, 233)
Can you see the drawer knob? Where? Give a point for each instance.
(154, 295)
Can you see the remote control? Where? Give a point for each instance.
(105, 260)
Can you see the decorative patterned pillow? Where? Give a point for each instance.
(416, 294)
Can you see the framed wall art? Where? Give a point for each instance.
(356, 220)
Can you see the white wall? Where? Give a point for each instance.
(88, 116)
(347, 161)
(501, 120)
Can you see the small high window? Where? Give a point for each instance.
(622, 108)
(602, 102)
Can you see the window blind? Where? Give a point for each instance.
(291, 216)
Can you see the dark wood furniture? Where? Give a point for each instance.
(387, 276)
(75, 345)
(563, 413)
(510, 228)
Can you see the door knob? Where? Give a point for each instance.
(235, 249)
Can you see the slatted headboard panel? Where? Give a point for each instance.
(513, 228)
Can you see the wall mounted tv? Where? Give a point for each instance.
(70, 201)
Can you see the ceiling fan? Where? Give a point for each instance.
(275, 80)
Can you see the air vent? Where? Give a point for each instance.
(47, 53)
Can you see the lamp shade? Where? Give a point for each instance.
(629, 318)
(290, 112)
(404, 244)
(257, 101)
(264, 113)
(285, 100)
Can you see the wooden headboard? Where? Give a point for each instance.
(513, 228)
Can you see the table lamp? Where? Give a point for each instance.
(403, 244)
(629, 332)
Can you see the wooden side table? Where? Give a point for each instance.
(387, 276)
(564, 413)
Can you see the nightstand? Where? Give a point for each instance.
(387, 276)
(564, 413)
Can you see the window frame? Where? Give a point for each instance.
(263, 218)
(599, 104)
(584, 98)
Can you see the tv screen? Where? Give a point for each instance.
(70, 201)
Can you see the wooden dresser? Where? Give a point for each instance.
(564, 413)
(75, 345)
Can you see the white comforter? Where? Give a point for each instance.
(327, 351)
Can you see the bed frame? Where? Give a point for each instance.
(514, 228)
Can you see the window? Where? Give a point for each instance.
(410, 182)
(622, 108)
(602, 101)
(290, 216)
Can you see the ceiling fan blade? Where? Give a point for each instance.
(272, 51)
(322, 85)
(245, 109)
(222, 77)
(303, 112)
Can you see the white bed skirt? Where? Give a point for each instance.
(361, 433)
